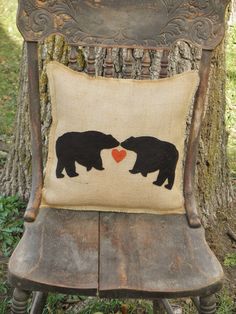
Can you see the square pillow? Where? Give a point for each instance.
(115, 144)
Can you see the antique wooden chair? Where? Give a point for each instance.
(131, 255)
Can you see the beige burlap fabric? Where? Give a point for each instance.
(90, 117)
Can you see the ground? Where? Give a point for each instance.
(11, 207)
(224, 247)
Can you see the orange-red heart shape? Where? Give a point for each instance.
(118, 155)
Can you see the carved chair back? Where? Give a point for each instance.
(152, 24)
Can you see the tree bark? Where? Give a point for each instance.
(212, 179)
(213, 173)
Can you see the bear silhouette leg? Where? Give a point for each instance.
(70, 169)
(137, 168)
(60, 167)
(161, 178)
(171, 179)
(134, 171)
(98, 164)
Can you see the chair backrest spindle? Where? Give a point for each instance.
(73, 58)
(164, 63)
(108, 64)
(145, 65)
(91, 62)
(128, 63)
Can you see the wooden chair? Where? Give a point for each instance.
(176, 262)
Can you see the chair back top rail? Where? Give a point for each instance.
(152, 24)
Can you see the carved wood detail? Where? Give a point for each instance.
(91, 62)
(208, 305)
(20, 301)
(150, 23)
(73, 58)
(146, 63)
(164, 63)
(128, 62)
(108, 64)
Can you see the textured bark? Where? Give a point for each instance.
(212, 180)
(15, 178)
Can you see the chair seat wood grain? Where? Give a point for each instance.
(115, 254)
(155, 256)
(58, 252)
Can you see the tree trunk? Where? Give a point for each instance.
(212, 179)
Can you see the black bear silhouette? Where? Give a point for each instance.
(152, 155)
(81, 147)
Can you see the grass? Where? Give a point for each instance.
(11, 228)
(102, 306)
(59, 303)
(230, 260)
(226, 303)
(10, 54)
(114, 306)
(231, 98)
(53, 301)
(11, 223)
(5, 291)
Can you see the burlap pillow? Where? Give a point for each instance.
(117, 145)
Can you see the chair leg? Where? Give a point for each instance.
(196, 302)
(38, 303)
(158, 307)
(208, 304)
(162, 306)
(20, 301)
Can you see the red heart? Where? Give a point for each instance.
(118, 155)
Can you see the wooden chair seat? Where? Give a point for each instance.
(117, 255)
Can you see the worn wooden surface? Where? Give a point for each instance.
(36, 137)
(139, 255)
(59, 251)
(149, 23)
(193, 142)
(152, 255)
